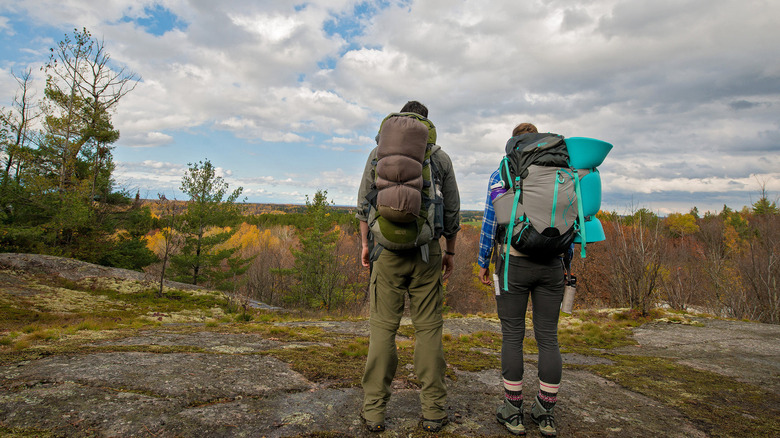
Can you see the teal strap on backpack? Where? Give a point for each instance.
(558, 180)
(509, 231)
(504, 170)
(506, 259)
(581, 214)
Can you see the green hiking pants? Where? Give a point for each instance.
(393, 276)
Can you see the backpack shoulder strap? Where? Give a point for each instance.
(434, 165)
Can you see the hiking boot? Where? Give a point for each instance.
(434, 425)
(544, 418)
(511, 417)
(373, 426)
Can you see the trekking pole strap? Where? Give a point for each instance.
(581, 214)
(509, 232)
(558, 181)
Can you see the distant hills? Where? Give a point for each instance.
(253, 208)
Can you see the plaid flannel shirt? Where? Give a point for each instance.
(488, 226)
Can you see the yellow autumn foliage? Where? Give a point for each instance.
(250, 240)
(211, 231)
(731, 239)
(119, 234)
(155, 242)
(681, 224)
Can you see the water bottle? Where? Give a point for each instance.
(496, 190)
(568, 295)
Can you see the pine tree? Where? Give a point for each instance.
(52, 176)
(208, 208)
(764, 205)
(320, 282)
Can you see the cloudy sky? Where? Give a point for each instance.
(285, 98)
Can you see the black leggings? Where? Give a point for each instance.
(544, 282)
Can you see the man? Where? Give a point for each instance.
(543, 282)
(395, 274)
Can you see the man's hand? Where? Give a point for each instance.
(448, 260)
(484, 276)
(364, 242)
(447, 265)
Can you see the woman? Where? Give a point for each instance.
(543, 282)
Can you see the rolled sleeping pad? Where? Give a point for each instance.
(594, 232)
(400, 156)
(586, 153)
(590, 189)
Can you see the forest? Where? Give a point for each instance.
(58, 197)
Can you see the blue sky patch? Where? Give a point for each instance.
(18, 49)
(158, 20)
(328, 63)
(351, 25)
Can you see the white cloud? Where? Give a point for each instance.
(332, 148)
(150, 177)
(686, 90)
(274, 29)
(628, 184)
(342, 187)
(5, 27)
(267, 180)
(148, 139)
(354, 141)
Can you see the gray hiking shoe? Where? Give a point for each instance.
(544, 418)
(511, 417)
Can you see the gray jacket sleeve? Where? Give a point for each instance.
(450, 193)
(365, 187)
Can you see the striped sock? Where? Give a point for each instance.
(548, 394)
(513, 392)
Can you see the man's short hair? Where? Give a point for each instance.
(416, 107)
(524, 128)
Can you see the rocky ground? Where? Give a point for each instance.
(192, 380)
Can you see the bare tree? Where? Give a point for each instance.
(683, 279)
(465, 293)
(265, 283)
(348, 254)
(102, 88)
(637, 254)
(18, 122)
(718, 265)
(169, 210)
(759, 267)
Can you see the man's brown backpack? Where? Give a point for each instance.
(405, 206)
